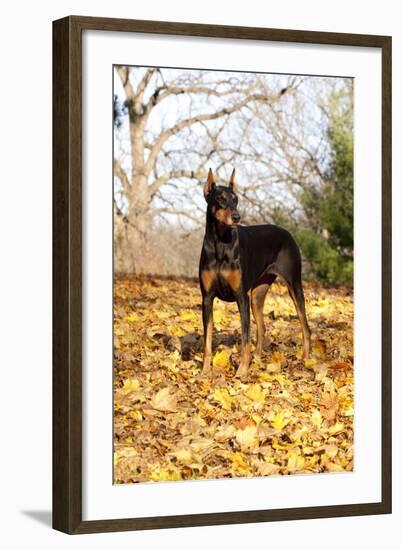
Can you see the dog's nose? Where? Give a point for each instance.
(235, 217)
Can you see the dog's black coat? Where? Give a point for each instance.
(238, 261)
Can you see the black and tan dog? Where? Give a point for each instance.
(239, 264)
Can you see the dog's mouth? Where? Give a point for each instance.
(228, 224)
(234, 222)
(227, 218)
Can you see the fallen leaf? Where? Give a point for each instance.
(223, 398)
(295, 462)
(329, 405)
(336, 429)
(247, 438)
(256, 393)
(268, 469)
(164, 400)
(221, 359)
(130, 385)
(340, 365)
(319, 347)
(316, 418)
(161, 474)
(320, 371)
(289, 417)
(273, 367)
(182, 455)
(281, 420)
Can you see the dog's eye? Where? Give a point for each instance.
(222, 202)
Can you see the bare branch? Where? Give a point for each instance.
(164, 136)
(123, 73)
(161, 180)
(144, 82)
(159, 211)
(122, 176)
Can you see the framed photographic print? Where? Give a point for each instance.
(221, 274)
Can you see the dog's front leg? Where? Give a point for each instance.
(243, 306)
(207, 316)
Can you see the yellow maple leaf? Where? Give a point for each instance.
(247, 438)
(177, 331)
(188, 315)
(222, 396)
(256, 393)
(331, 451)
(160, 474)
(133, 318)
(256, 418)
(347, 407)
(117, 457)
(273, 367)
(280, 420)
(162, 314)
(218, 317)
(265, 377)
(317, 418)
(336, 429)
(239, 463)
(295, 461)
(310, 362)
(130, 385)
(221, 359)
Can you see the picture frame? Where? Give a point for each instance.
(68, 261)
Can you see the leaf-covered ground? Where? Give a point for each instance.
(290, 417)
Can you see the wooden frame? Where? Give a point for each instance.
(67, 279)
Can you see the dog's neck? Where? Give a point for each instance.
(219, 237)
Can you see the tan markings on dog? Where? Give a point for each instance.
(207, 348)
(258, 295)
(233, 277)
(207, 278)
(242, 370)
(223, 215)
(246, 354)
(208, 339)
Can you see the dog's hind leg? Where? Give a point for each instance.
(258, 296)
(288, 266)
(297, 295)
(243, 306)
(207, 316)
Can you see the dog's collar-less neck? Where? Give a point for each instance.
(217, 233)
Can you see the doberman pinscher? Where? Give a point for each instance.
(239, 263)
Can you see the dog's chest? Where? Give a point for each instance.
(228, 281)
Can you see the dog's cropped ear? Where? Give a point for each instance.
(209, 185)
(232, 180)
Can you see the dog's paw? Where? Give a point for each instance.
(242, 373)
(206, 372)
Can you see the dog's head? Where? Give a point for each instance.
(222, 200)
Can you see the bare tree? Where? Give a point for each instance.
(176, 120)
